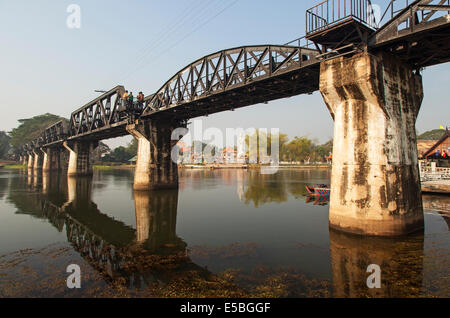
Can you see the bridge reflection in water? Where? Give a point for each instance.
(154, 253)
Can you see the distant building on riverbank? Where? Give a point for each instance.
(439, 152)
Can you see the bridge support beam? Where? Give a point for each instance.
(154, 166)
(375, 184)
(79, 161)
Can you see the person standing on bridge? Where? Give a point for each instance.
(130, 101)
(130, 108)
(140, 99)
(125, 99)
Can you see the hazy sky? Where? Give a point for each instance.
(47, 67)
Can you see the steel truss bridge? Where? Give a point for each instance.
(417, 32)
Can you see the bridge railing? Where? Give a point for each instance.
(301, 42)
(428, 174)
(331, 12)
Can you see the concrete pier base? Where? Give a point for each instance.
(375, 183)
(52, 159)
(30, 161)
(46, 166)
(79, 161)
(154, 166)
(38, 160)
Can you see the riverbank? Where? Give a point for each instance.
(113, 167)
(11, 165)
(193, 166)
(251, 166)
(439, 186)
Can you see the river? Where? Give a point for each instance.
(224, 233)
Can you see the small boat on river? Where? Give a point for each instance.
(320, 191)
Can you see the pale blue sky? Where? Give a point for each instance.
(47, 67)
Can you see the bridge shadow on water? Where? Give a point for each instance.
(151, 260)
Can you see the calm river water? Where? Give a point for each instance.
(225, 233)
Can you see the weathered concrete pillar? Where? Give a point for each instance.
(79, 162)
(154, 166)
(30, 163)
(46, 159)
(52, 160)
(38, 159)
(375, 183)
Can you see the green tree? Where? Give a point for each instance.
(322, 151)
(132, 147)
(299, 149)
(32, 128)
(261, 135)
(4, 144)
(119, 154)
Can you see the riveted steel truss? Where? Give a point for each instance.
(55, 133)
(226, 71)
(103, 112)
(418, 34)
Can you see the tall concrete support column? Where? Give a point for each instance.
(30, 163)
(375, 183)
(46, 165)
(79, 161)
(38, 159)
(154, 166)
(52, 160)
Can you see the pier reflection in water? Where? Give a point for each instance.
(217, 246)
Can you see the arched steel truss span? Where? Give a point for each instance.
(235, 78)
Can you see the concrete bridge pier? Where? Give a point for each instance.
(375, 183)
(154, 166)
(46, 166)
(52, 159)
(38, 159)
(30, 161)
(79, 161)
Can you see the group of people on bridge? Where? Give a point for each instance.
(130, 106)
